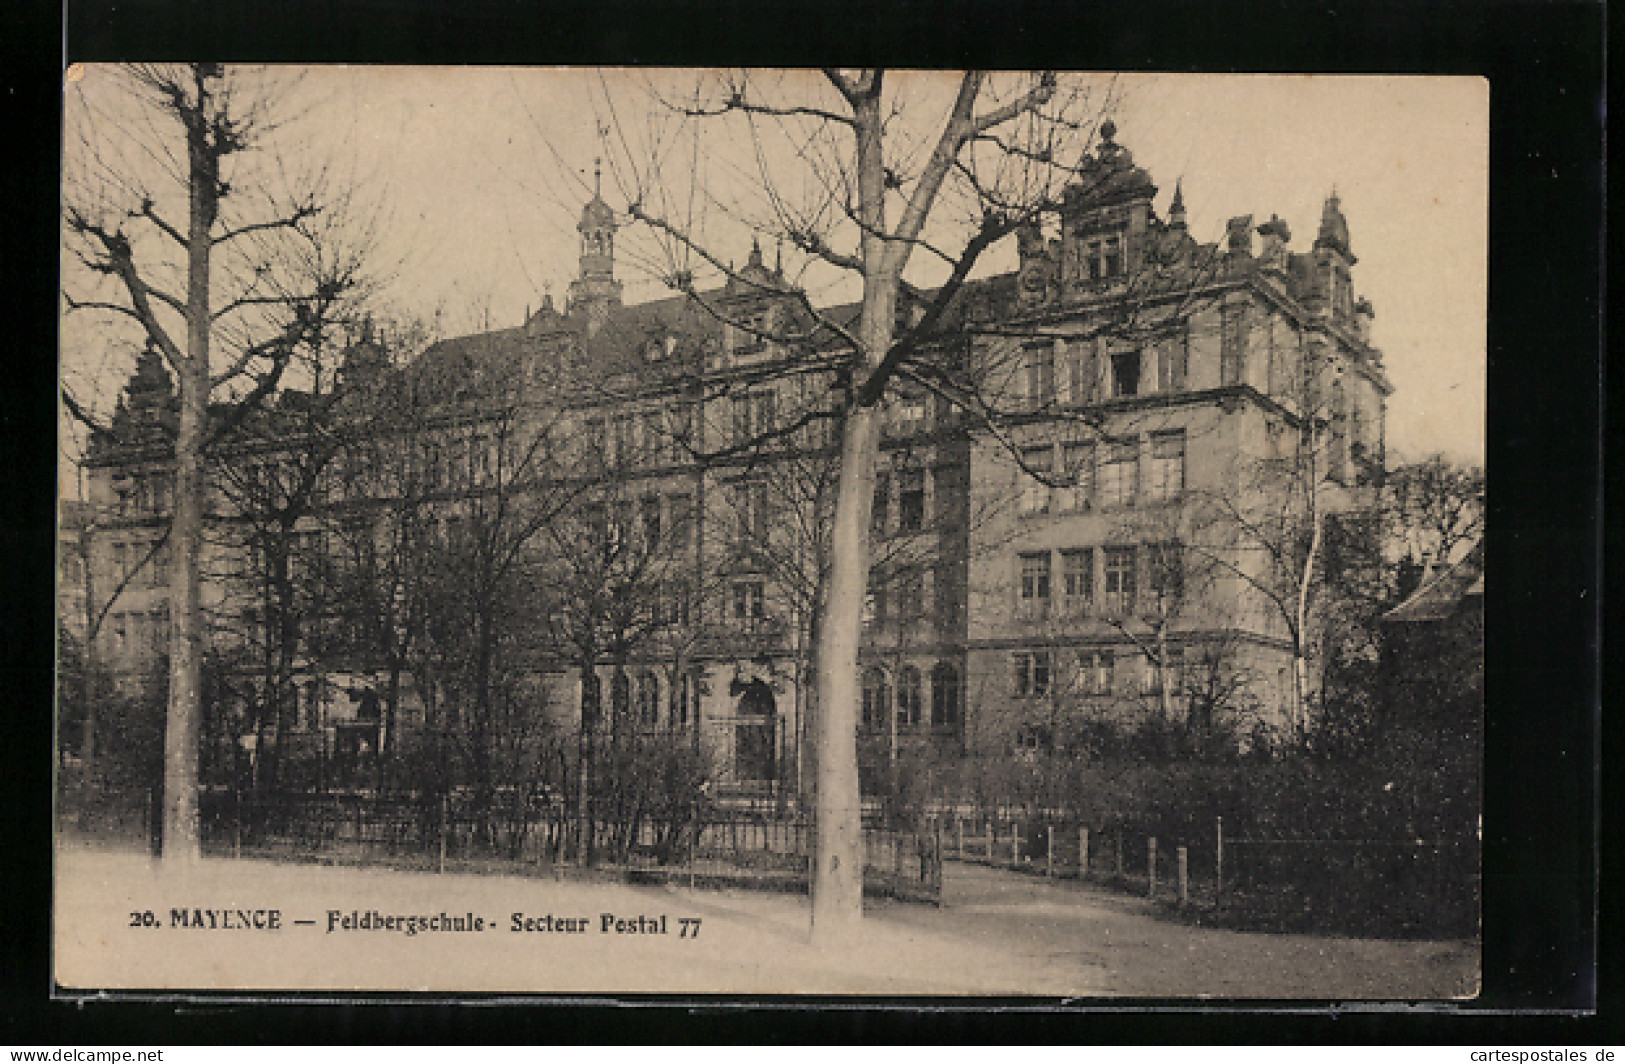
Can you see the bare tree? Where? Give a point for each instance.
(863, 190)
(220, 266)
(1433, 509)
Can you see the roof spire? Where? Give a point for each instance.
(597, 176)
(1176, 209)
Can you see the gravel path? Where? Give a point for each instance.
(998, 934)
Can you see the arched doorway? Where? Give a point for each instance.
(754, 759)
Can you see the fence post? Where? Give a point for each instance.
(989, 841)
(1151, 867)
(1117, 855)
(444, 798)
(959, 830)
(1218, 862)
(936, 860)
(1049, 850)
(1083, 853)
(1015, 844)
(1182, 856)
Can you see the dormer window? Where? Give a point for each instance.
(1111, 262)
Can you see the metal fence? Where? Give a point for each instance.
(1379, 886)
(717, 846)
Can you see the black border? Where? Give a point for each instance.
(1544, 63)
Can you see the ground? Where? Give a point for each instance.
(998, 933)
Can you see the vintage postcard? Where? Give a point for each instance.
(603, 531)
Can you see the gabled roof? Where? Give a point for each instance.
(1443, 594)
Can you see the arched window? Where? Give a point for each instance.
(945, 696)
(908, 697)
(648, 699)
(876, 700)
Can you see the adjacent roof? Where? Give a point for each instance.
(1443, 594)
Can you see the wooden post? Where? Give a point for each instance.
(936, 860)
(1049, 851)
(1151, 867)
(959, 841)
(989, 842)
(1015, 843)
(443, 800)
(1117, 856)
(1083, 853)
(1218, 863)
(1182, 858)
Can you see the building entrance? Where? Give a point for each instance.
(754, 747)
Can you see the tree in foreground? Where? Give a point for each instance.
(857, 171)
(179, 222)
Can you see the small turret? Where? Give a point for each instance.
(1334, 229)
(1176, 209)
(596, 291)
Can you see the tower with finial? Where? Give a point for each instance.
(1333, 292)
(595, 292)
(1176, 209)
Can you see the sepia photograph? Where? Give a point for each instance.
(882, 533)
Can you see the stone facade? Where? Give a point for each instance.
(1069, 568)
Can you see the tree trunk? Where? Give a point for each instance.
(89, 690)
(181, 730)
(837, 881)
(182, 724)
(837, 873)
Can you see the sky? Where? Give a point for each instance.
(475, 178)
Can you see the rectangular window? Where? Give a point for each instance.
(1171, 363)
(1032, 673)
(1094, 672)
(679, 431)
(750, 605)
(623, 448)
(1096, 265)
(1117, 571)
(1080, 373)
(1035, 493)
(1166, 479)
(650, 514)
(751, 511)
(654, 441)
(1233, 337)
(908, 413)
(682, 521)
(1119, 473)
(1078, 468)
(1125, 373)
(910, 593)
(1078, 579)
(911, 500)
(879, 596)
(1165, 572)
(1112, 257)
(1034, 583)
(880, 511)
(1038, 375)
(457, 462)
(755, 415)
